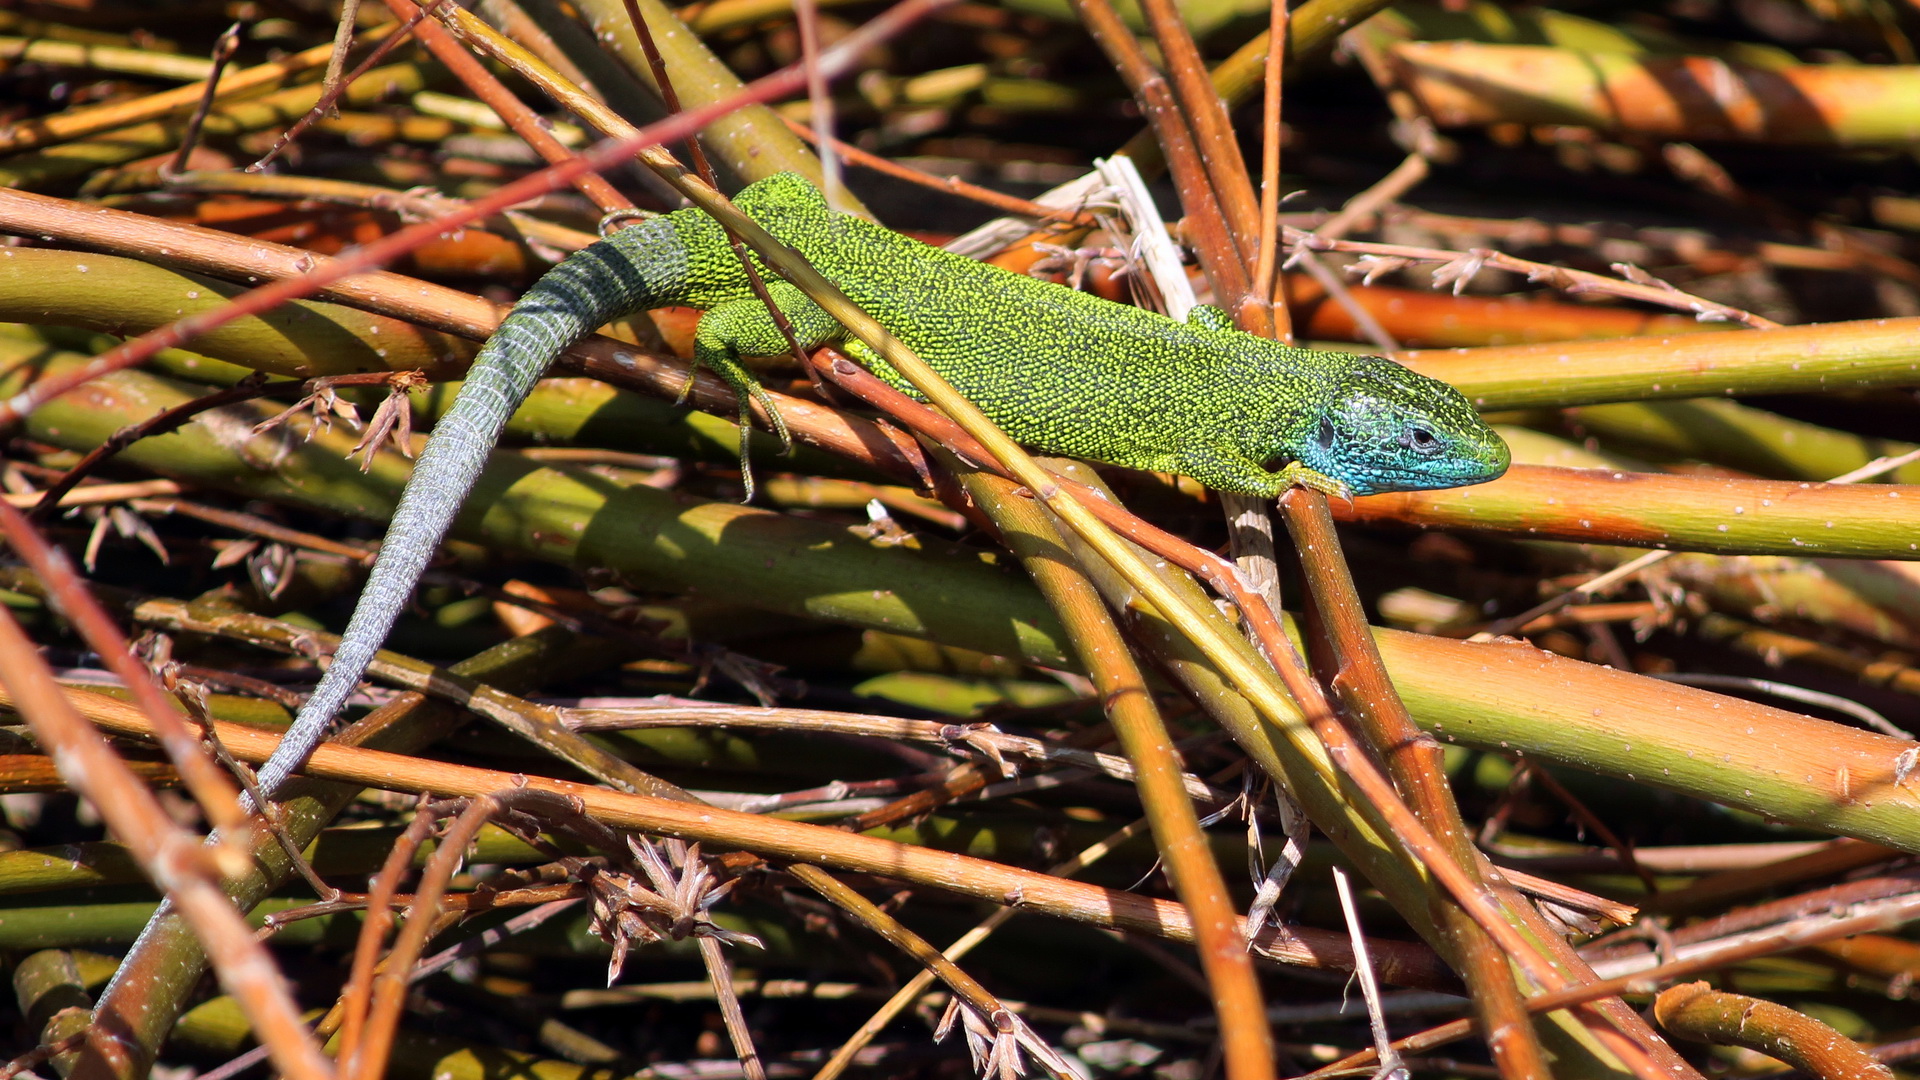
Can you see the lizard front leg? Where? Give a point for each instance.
(1223, 468)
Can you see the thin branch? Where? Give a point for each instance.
(223, 50)
(326, 104)
(1458, 268)
(1266, 275)
(342, 45)
(985, 739)
(1006, 204)
(1391, 1067)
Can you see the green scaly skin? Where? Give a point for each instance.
(1062, 371)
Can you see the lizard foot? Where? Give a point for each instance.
(748, 390)
(1298, 475)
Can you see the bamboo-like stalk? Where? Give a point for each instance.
(1740, 436)
(1864, 597)
(1835, 778)
(1724, 516)
(1462, 83)
(301, 339)
(1820, 357)
(1696, 1011)
(127, 61)
(82, 122)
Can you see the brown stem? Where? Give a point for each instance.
(223, 50)
(1345, 659)
(1266, 275)
(1219, 254)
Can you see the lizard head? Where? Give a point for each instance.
(1392, 429)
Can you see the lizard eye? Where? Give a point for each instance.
(1422, 440)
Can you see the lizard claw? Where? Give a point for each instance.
(774, 420)
(686, 388)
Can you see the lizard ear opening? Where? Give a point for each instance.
(1326, 435)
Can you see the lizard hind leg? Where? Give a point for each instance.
(725, 362)
(746, 328)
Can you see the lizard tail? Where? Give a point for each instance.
(640, 267)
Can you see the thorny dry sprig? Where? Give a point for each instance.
(999, 1047)
(675, 907)
(1077, 263)
(392, 421)
(1457, 270)
(119, 521)
(978, 738)
(324, 403)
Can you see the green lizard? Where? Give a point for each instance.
(1059, 370)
